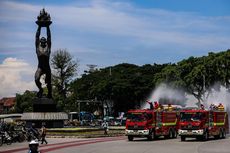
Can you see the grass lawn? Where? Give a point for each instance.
(84, 132)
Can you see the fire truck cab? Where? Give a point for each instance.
(151, 123)
(201, 124)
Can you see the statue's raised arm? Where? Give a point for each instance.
(37, 36)
(48, 37)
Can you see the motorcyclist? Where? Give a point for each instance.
(33, 147)
(34, 131)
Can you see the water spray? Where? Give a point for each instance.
(165, 94)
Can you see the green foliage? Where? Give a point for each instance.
(199, 75)
(64, 70)
(24, 102)
(125, 84)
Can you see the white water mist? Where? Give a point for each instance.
(218, 96)
(214, 97)
(164, 91)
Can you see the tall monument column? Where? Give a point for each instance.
(43, 103)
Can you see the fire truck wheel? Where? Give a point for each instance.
(174, 133)
(170, 134)
(151, 136)
(130, 138)
(182, 138)
(223, 135)
(199, 138)
(217, 136)
(205, 136)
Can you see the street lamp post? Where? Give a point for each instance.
(79, 110)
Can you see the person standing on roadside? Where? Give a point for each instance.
(43, 134)
(105, 127)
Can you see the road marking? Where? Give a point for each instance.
(80, 144)
(66, 144)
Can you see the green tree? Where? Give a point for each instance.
(64, 70)
(126, 85)
(24, 102)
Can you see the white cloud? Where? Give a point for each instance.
(16, 76)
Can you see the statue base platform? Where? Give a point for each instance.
(44, 105)
(50, 119)
(44, 112)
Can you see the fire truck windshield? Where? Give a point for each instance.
(138, 117)
(190, 116)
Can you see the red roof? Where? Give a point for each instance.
(8, 102)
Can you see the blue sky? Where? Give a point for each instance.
(109, 32)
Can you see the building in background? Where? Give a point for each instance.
(7, 104)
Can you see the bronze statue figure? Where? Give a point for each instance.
(43, 50)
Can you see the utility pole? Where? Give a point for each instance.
(79, 110)
(204, 97)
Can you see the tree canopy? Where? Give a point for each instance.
(64, 69)
(127, 85)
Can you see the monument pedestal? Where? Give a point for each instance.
(44, 109)
(44, 112)
(44, 105)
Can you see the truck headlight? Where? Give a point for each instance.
(200, 131)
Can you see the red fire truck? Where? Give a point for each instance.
(151, 123)
(201, 124)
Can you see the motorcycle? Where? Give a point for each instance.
(1, 138)
(7, 138)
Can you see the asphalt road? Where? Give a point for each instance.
(122, 145)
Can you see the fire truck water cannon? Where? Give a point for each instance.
(202, 124)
